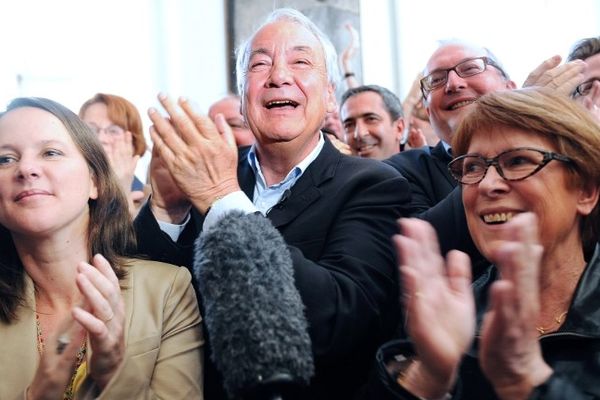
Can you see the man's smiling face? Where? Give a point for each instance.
(447, 105)
(287, 91)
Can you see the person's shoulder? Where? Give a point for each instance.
(154, 273)
(408, 157)
(358, 169)
(356, 165)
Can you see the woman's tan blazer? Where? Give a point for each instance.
(163, 339)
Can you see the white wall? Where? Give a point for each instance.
(192, 52)
(377, 44)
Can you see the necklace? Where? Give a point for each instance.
(558, 320)
(69, 392)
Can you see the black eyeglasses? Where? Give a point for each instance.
(512, 165)
(464, 69)
(584, 88)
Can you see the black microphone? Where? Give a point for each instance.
(252, 311)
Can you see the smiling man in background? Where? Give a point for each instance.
(373, 122)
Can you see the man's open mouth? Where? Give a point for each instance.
(281, 103)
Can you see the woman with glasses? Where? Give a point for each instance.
(118, 125)
(79, 316)
(529, 328)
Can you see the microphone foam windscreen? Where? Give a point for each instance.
(253, 312)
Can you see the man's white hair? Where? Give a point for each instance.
(290, 14)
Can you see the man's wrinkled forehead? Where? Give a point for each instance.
(447, 56)
(284, 32)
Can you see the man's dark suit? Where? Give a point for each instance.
(436, 198)
(427, 173)
(337, 221)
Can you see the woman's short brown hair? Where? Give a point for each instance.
(124, 114)
(559, 119)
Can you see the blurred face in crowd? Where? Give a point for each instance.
(448, 104)
(287, 92)
(45, 182)
(230, 107)
(333, 124)
(419, 121)
(369, 128)
(96, 117)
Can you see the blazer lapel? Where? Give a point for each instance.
(306, 190)
(126, 285)
(246, 177)
(18, 347)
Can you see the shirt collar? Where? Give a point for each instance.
(447, 148)
(294, 173)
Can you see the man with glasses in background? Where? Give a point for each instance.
(456, 75)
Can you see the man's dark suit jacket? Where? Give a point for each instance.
(436, 198)
(338, 222)
(426, 171)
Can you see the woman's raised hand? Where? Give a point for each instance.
(102, 316)
(510, 354)
(439, 307)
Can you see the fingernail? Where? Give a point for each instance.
(162, 96)
(151, 110)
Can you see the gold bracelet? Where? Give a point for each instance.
(401, 366)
